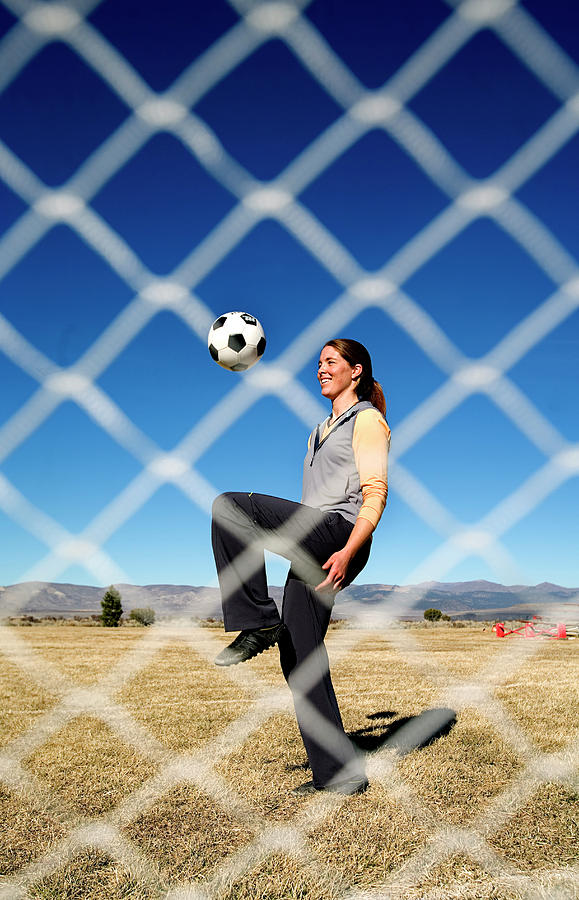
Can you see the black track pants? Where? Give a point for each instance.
(244, 525)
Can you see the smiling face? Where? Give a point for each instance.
(336, 376)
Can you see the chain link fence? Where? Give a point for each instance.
(173, 112)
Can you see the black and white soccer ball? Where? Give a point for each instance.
(236, 341)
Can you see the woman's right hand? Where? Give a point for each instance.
(337, 566)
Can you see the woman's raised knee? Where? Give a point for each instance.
(220, 504)
(225, 503)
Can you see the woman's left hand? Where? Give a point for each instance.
(337, 565)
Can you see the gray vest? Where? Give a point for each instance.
(331, 480)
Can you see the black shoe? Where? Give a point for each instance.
(248, 644)
(354, 786)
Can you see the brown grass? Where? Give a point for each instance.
(182, 827)
(22, 700)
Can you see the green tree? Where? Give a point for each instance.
(111, 608)
(432, 615)
(144, 616)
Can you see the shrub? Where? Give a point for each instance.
(144, 616)
(211, 622)
(111, 608)
(432, 615)
(445, 618)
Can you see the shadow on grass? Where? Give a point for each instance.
(405, 734)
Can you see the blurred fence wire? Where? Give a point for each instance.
(173, 111)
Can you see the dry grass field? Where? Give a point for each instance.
(131, 767)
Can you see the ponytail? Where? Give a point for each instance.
(377, 398)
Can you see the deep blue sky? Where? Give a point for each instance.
(483, 105)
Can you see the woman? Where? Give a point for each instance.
(327, 538)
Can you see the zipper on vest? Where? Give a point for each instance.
(318, 443)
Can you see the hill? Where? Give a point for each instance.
(463, 599)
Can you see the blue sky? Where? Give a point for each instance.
(483, 105)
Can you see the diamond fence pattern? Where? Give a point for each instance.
(363, 110)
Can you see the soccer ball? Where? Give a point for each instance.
(236, 341)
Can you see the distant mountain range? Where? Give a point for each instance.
(463, 599)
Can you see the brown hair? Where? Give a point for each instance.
(356, 354)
